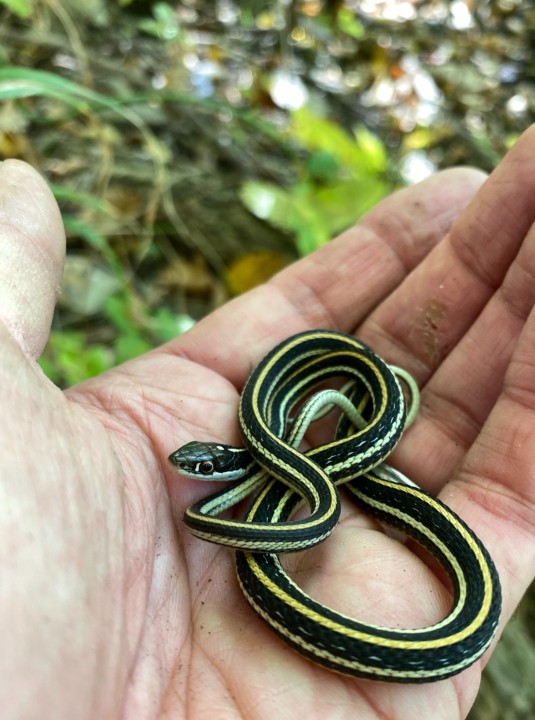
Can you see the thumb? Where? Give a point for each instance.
(32, 249)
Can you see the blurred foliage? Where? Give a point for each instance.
(195, 148)
(341, 177)
(22, 8)
(69, 357)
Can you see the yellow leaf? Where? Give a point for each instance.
(252, 269)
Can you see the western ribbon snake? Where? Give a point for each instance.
(281, 477)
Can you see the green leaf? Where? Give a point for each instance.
(363, 154)
(69, 360)
(348, 23)
(319, 134)
(165, 24)
(166, 325)
(293, 211)
(18, 82)
(130, 346)
(372, 150)
(22, 8)
(74, 226)
(322, 165)
(343, 204)
(87, 200)
(118, 310)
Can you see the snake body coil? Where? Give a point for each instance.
(284, 477)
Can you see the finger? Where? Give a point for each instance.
(32, 248)
(473, 294)
(495, 487)
(459, 397)
(337, 286)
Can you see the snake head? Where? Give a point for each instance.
(207, 461)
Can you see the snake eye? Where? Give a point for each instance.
(206, 467)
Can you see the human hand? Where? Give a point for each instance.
(109, 608)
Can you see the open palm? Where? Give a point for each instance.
(109, 608)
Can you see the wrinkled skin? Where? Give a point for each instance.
(110, 609)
